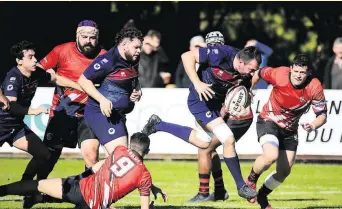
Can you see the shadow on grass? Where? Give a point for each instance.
(295, 199)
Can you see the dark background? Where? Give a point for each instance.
(287, 27)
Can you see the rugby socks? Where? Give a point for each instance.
(204, 184)
(40, 154)
(264, 191)
(44, 172)
(179, 131)
(269, 185)
(19, 188)
(217, 173)
(218, 179)
(233, 165)
(253, 177)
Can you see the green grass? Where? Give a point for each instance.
(309, 186)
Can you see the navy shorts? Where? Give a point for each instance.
(203, 111)
(13, 135)
(105, 129)
(72, 193)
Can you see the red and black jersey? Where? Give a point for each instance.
(70, 63)
(122, 172)
(288, 103)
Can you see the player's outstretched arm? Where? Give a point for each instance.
(88, 86)
(65, 82)
(145, 202)
(155, 190)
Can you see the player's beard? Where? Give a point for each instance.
(129, 56)
(89, 51)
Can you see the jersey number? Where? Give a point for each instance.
(122, 166)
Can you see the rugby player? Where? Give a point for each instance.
(294, 91)
(117, 72)
(221, 67)
(105, 183)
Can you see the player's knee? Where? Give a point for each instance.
(203, 139)
(90, 155)
(270, 141)
(224, 134)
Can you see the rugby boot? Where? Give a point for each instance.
(253, 186)
(247, 192)
(199, 198)
(218, 195)
(150, 127)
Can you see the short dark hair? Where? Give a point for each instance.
(130, 33)
(17, 50)
(153, 33)
(140, 142)
(301, 60)
(249, 53)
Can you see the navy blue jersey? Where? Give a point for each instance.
(23, 88)
(217, 69)
(117, 76)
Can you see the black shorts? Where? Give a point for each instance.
(72, 193)
(65, 131)
(239, 127)
(288, 140)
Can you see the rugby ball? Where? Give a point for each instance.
(236, 97)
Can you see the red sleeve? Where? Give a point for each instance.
(318, 102)
(145, 184)
(50, 60)
(268, 74)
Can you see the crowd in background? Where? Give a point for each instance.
(154, 70)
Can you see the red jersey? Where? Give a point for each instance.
(121, 173)
(69, 63)
(286, 103)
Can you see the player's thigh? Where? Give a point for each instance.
(204, 112)
(87, 140)
(269, 138)
(121, 141)
(52, 187)
(106, 129)
(239, 127)
(23, 136)
(61, 131)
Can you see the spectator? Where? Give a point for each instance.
(182, 79)
(319, 61)
(333, 69)
(153, 62)
(265, 53)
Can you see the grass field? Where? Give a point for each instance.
(309, 186)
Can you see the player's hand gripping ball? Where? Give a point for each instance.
(237, 98)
